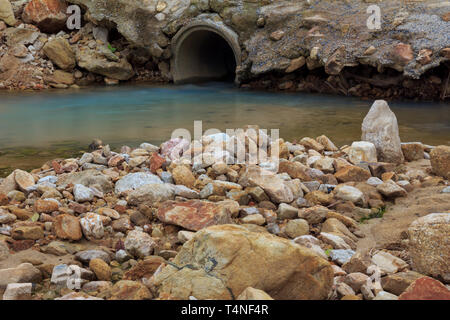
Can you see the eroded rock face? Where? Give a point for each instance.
(225, 260)
(429, 245)
(381, 128)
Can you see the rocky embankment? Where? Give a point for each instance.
(307, 46)
(156, 223)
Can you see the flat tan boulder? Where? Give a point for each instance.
(220, 262)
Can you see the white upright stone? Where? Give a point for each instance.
(381, 128)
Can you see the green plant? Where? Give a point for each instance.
(374, 215)
(110, 47)
(327, 252)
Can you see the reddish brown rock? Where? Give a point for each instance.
(295, 170)
(193, 215)
(426, 289)
(413, 151)
(352, 173)
(45, 206)
(424, 56)
(116, 160)
(67, 227)
(3, 200)
(144, 269)
(49, 15)
(156, 162)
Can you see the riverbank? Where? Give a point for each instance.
(315, 46)
(127, 221)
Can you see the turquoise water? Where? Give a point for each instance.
(38, 126)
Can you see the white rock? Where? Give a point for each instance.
(381, 128)
(133, 181)
(383, 295)
(349, 193)
(374, 181)
(362, 151)
(334, 240)
(18, 291)
(92, 226)
(388, 263)
(82, 193)
(139, 244)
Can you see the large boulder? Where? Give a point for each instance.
(381, 128)
(58, 50)
(440, 161)
(225, 260)
(95, 62)
(6, 13)
(194, 214)
(48, 15)
(426, 289)
(429, 246)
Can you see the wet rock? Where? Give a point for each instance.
(233, 256)
(6, 12)
(48, 15)
(58, 50)
(426, 289)
(67, 227)
(440, 161)
(391, 190)
(151, 193)
(23, 273)
(428, 245)
(139, 244)
(133, 181)
(381, 128)
(130, 290)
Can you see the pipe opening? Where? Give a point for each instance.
(204, 55)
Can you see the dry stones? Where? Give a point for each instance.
(151, 193)
(59, 51)
(18, 291)
(194, 214)
(440, 161)
(67, 227)
(49, 15)
(6, 12)
(183, 175)
(429, 245)
(391, 190)
(133, 181)
(362, 151)
(225, 260)
(426, 289)
(101, 269)
(253, 294)
(296, 228)
(381, 128)
(413, 151)
(23, 273)
(23, 179)
(139, 244)
(388, 263)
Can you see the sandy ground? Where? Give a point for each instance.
(421, 201)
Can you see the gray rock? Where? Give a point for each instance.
(82, 193)
(341, 256)
(132, 181)
(87, 255)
